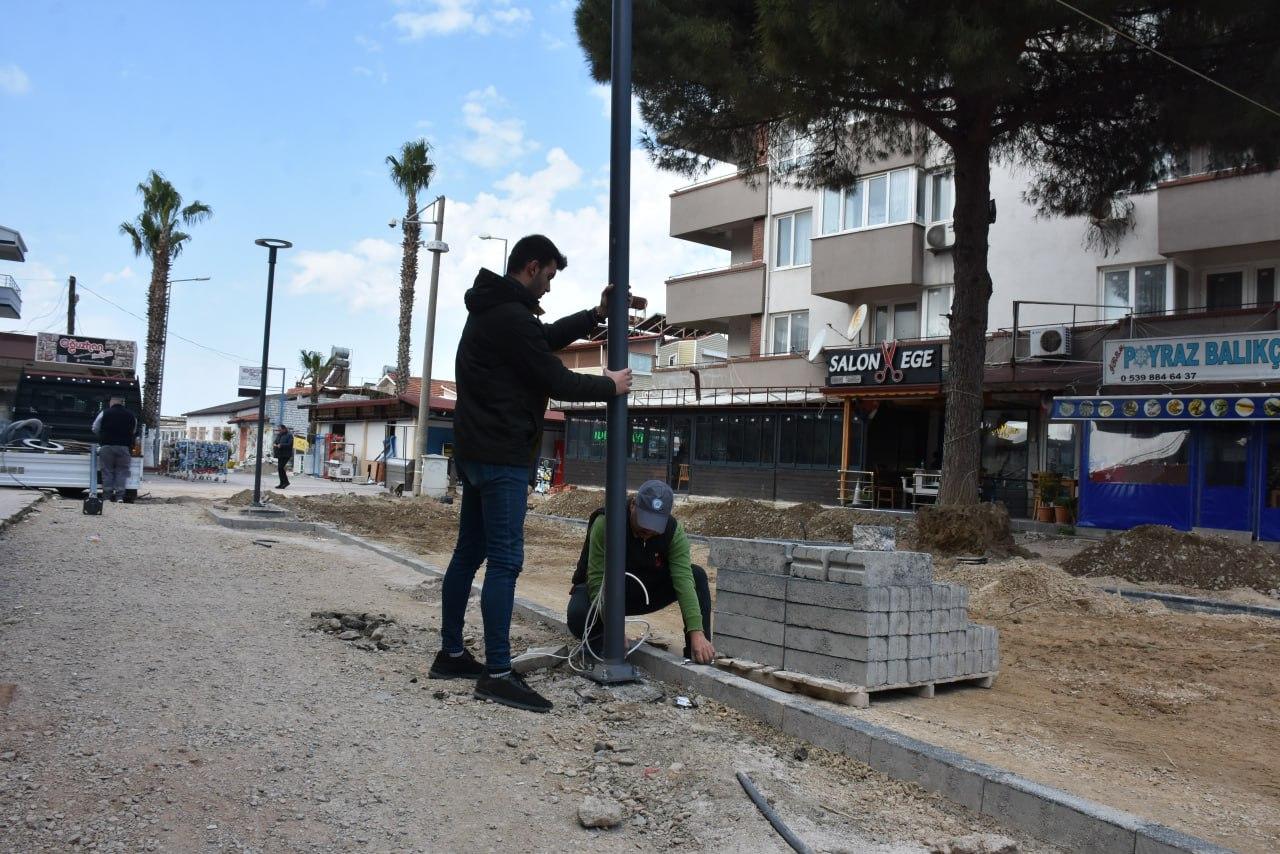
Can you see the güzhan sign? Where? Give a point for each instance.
(82, 350)
(888, 364)
(1192, 358)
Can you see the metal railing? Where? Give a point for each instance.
(740, 396)
(732, 268)
(7, 281)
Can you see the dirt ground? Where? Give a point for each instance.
(1170, 715)
(164, 687)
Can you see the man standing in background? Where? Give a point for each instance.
(115, 427)
(283, 450)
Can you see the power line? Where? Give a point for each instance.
(231, 357)
(1168, 58)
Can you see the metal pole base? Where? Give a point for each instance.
(612, 674)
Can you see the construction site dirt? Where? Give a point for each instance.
(1170, 715)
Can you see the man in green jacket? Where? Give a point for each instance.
(659, 572)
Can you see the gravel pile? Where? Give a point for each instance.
(1155, 553)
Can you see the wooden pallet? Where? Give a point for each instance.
(831, 690)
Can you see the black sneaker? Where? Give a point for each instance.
(462, 666)
(511, 690)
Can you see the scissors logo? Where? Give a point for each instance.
(888, 349)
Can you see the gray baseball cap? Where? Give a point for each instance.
(654, 500)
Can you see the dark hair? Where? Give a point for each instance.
(534, 247)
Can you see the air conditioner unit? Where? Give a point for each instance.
(1051, 341)
(941, 236)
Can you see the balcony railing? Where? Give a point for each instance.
(743, 396)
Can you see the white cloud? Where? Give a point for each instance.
(447, 17)
(13, 80)
(366, 276)
(494, 141)
(126, 272)
(380, 74)
(368, 44)
(551, 42)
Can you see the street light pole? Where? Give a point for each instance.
(272, 245)
(487, 236)
(436, 247)
(615, 668)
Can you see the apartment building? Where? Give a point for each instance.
(803, 394)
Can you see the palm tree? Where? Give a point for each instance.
(412, 173)
(315, 368)
(156, 232)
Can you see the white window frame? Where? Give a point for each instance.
(913, 177)
(1170, 283)
(640, 371)
(892, 333)
(773, 342)
(932, 293)
(1249, 291)
(932, 218)
(790, 152)
(790, 220)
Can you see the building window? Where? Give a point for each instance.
(734, 439)
(1224, 290)
(648, 439)
(897, 322)
(810, 439)
(792, 238)
(640, 363)
(937, 307)
(790, 332)
(1148, 454)
(791, 150)
(883, 199)
(1134, 290)
(671, 360)
(940, 199)
(586, 438)
(1266, 280)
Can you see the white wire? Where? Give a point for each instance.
(580, 650)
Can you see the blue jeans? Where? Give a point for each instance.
(494, 500)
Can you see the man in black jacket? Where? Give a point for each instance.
(115, 427)
(282, 448)
(506, 369)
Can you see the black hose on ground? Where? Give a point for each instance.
(768, 812)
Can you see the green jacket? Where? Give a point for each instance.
(678, 563)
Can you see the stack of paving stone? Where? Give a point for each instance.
(861, 613)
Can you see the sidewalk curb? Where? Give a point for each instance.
(1047, 813)
(23, 512)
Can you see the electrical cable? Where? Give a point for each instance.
(231, 357)
(771, 815)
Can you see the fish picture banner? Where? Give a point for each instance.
(1168, 407)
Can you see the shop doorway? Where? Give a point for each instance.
(1225, 495)
(1269, 482)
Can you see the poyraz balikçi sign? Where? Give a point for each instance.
(82, 350)
(1192, 358)
(1203, 407)
(887, 364)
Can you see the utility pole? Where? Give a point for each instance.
(71, 305)
(436, 248)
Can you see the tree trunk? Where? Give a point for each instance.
(962, 438)
(156, 335)
(408, 279)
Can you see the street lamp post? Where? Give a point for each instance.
(488, 236)
(272, 244)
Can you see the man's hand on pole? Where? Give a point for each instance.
(621, 380)
(700, 649)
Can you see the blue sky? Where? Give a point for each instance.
(279, 115)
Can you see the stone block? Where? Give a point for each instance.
(940, 620)
(959, 617)
(768, 557)
(959, 596)
(812, 570)
(899, 599)
(918, 670)
(897, 671)
(836, 645)
(869, 674)
(941, 595)
(920, 623)
(751, 650)
(846, 597)
(760, 607)
(752, 583)
(1158, 839)
(827, 728)
(739, 626)
(899, 621)
(921, 598)
(878, 538)
(1047, 813)
(866, 568)
(897, 646)
(934, 769)
(865, 623)
(959, 640)
(973, 637)
(918, 646)
(940, 667)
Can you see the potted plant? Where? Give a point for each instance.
(1050, 487)
(1064, 510)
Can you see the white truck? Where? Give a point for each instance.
(66, 404)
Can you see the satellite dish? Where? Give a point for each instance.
(815, 349)
(856, 322)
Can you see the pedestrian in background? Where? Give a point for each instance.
(283, 450)
(115, 428)
(506, 370)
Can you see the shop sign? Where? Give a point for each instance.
(1168, 408)
(82, 350)
(888, 364)
(1192, 358)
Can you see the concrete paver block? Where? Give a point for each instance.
(899, 622)
(880, 538)
(918, 646)
(847, 597)
(752, 583)
(921, 598)
(827, 729)
(918, 670)
(869, 674)
(769, 557)
(900, 599)
(920, 623)
(898, 646)
(864, 623)
(935, 770)
(736, 625)
(760, 607)
(1052, 814)
(752, 650)
(852, 647)
(941, 595)
(897, 671)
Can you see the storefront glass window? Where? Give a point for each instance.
(1226, 455)
(1138, 453)
(586, 439)
(648, 439)
(809, 439)
(1061, 449)
(734, 439)
(1004, 444)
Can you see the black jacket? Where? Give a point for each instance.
(506, 370)
(118, 427)
(282, 447)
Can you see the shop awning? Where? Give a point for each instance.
(879, 392)
(1168, 407)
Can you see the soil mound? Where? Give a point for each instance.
(1155, 553)
(428, 524)
(573, 503)
(742, 517)
(975, 529)
(1016, 585)
(834, 524)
